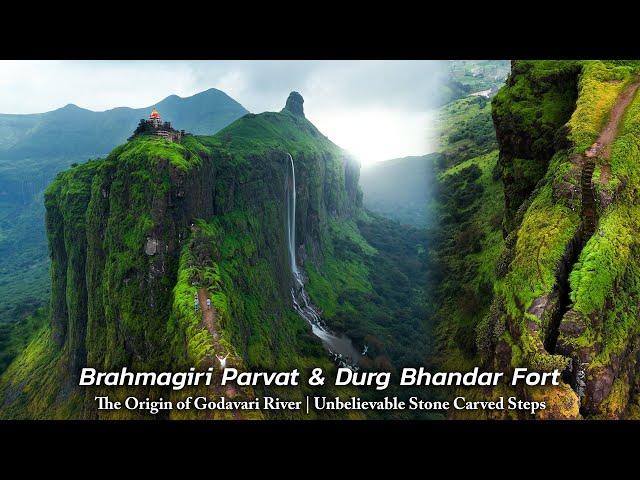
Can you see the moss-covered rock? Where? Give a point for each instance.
(529, 115)
(571, 300)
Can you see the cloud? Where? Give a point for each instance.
(335, 91)
(263, 85)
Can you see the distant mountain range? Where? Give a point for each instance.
(35, 147)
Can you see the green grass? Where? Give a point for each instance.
(258, 134)
(600, 84)
(31, 387)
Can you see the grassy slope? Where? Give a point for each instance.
(256, 134)
(16, 335)
(466, 130)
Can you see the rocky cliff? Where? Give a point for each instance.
(568, 291)
(134, 238)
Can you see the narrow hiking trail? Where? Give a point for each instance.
(610, 131)
(209, 317)
(210, 322)
(602, 149)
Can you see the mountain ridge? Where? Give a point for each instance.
(120, 119)
(37, 146)
(171, 96)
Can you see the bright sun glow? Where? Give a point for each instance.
(377, 134)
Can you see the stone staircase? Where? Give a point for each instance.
(588, 197)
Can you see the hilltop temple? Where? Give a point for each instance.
(155, 126)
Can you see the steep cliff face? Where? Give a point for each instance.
(529, 114)
(567, 296)
(135, 237)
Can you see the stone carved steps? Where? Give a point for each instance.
(588, 198)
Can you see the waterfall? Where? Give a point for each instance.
(340, 348)
(290, 189)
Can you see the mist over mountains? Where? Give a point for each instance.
(401, 188)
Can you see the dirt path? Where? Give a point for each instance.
(605, 173)
(209, 315)
(602, 149)
(210, 322)
(610, 131)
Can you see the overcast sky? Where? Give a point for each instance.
(375, 109)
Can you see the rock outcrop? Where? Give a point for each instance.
(295, 104)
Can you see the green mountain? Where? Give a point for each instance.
(135, 237)
(35, 147)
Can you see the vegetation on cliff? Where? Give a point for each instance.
(569, 300)
(135, 237)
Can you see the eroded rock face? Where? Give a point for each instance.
(528, 141)
(539, 307)
(567, 188)
(598, 387)
(151, 247)
(295, 104)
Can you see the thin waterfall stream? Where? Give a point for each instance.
(340, 348)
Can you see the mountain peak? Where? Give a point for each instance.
(295, 104)
(71, 106)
